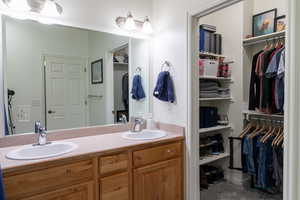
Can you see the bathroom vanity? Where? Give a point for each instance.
(105, 167)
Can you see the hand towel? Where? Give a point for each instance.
(164, 89)
(137, 90)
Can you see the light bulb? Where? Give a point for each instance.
(130, 23)
(50, 9)
(147, 27)
(19, 5)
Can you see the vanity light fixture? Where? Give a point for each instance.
(51, 9)
(18, 5)
(47, 8)
(130, 24)
(147, 27)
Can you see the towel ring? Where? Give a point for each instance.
(138, 70)
(166, 64)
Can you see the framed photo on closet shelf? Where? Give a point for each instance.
(97, 72)
(280, 23)
(264, 23)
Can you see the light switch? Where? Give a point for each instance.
(23, 113)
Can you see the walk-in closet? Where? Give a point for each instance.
(237, 99)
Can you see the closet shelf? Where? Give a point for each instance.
(213, 158)
(216, 99)
(215, 78)
(255, 113)
(212, 54)
(263, 38)
(216, 128)
(119, 63)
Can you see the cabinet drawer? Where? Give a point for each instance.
(24, 185)
(83, 191)
(156, 154)
(115, 187)
(114, 163)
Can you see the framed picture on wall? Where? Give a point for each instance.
(97, 71)
(264, 23)
(280, 23)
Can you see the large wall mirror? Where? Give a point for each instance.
(68, 77)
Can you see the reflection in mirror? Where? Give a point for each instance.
(67, 77)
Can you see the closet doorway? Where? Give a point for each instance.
(237, 82)
(121, 83)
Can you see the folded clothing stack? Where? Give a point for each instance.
(209, 88)
(208, 116)
(213, 89)
(224, 92)
(210, 175)
(211, 145)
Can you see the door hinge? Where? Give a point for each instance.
(85, 102)
(85, 69)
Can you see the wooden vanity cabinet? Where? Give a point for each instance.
(134, 174)
(158, 173)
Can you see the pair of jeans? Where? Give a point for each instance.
(265, 165)
(248, 153)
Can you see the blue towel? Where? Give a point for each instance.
(137, 90)
(2, 195)
(164, 89)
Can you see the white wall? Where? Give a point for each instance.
(100, 46)
(261, 6)
(170, 44)
(139, 57)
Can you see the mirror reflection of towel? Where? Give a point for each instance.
(137, 90)
(164, 89)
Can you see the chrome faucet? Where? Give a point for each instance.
(41, 132)
(138, 122)
(123, 119)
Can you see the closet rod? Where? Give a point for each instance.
(261, 41)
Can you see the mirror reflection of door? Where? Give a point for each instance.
(65, 92)
(121, 83)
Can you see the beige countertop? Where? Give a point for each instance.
(90, 145)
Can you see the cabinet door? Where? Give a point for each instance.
(161, 181)
(83, 191)
(115, 187)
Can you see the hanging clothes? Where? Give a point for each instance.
(164, 89)
(137, 90)
(266, 92)
(125, 91)
(254, 90)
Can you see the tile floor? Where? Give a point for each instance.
(236, 187)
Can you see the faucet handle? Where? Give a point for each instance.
(37, 126)
(139, 120)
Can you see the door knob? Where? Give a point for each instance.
(51, 112)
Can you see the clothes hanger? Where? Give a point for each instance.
(246, 129)
(280, 139)
(257, 131)
(268, 134)
(278, 135)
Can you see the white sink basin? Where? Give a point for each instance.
(33, 152)
(144, 135)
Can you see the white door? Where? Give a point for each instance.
(65, 92)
